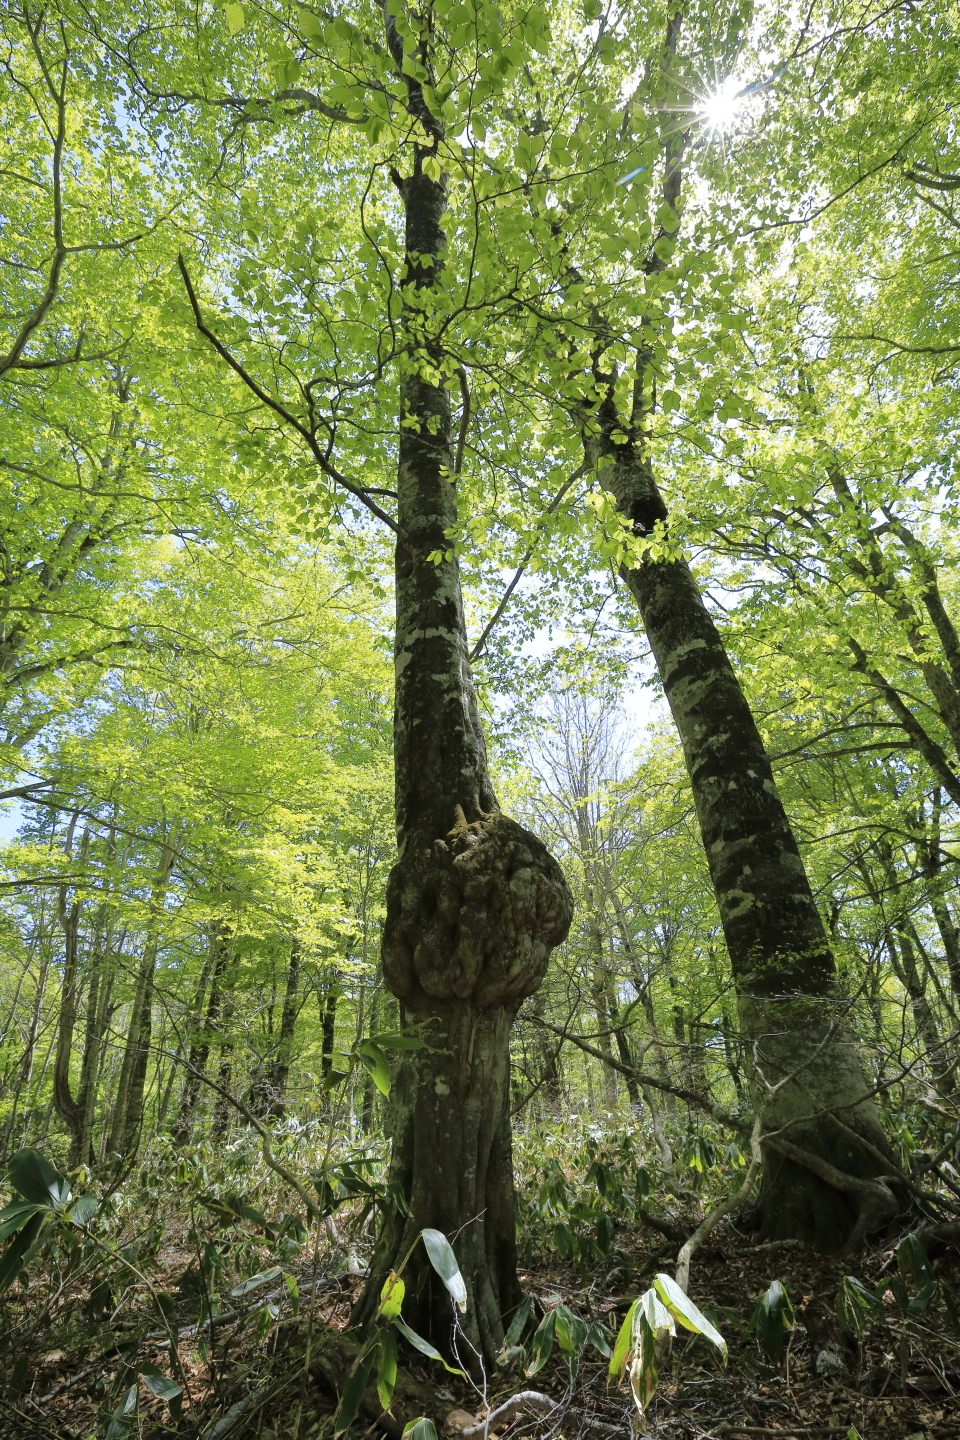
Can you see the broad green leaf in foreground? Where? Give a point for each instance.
(444, 1262)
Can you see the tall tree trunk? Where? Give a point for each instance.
(819, 1184)
(67, 1106)
(600, 984)
(641, 983)
(103, 967)
(199, 1052)
(623, 1047)
(128, 1108)
(475, 903)
(328, 1013)
(931, 859)
(279, 1070)
(551, 1085)
(904, 962)
(369, 1089)
(730, 1055)
(26, 1060)
(221, 1107)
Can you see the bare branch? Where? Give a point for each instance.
(285, 415)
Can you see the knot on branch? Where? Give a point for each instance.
(474, 916)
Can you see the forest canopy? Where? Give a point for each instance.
(480, 709)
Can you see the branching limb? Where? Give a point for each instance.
(275, 405)
(464, 419)
(723, 1208)
(528, 556)
(700, 1102)
(269, 1158)
(526, 1402)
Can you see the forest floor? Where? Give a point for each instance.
(257, 1378)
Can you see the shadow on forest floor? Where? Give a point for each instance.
(263, 1372)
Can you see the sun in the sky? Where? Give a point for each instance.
(718, 110)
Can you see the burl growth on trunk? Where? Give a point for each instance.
(474, 916)
(471, 920)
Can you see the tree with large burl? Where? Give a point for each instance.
(475, 903)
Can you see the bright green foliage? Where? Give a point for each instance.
(772, 1320)
(194, 614)
(649, 1323)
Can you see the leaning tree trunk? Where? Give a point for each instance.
(823, 1145)
(822, 1142)
(474, 903)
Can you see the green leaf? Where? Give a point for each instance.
(605, 1233)
(422, 1429)
(159, 1384)
(644, 1373)
(518, 1322)
(310, 26)
(542, 1343)
(82, 1210)
(571, 1331)
(400, 1042)
(772, 1319)
(444, 1262)
(124, 1417)
(912, 1260)
(18, 1248)
(35, 1178)
(235, 18)
(682, 1308)
(387, 1368)
(856, 1306)
(352, 1395)
(621, 1346)
(378, 1065)
(14, 1217)
(656, 1314)
(391, 1296)
(256, 1280)
(598, 1337)
(424, 1346)
(563, 1240)
(293, 1292)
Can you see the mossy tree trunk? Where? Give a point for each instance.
(823, 1145)
(475, 903)
(824, 1149)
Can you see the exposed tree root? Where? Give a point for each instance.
(526, 1402)
(714, 1216)
(877, 1206)
(331, 1363)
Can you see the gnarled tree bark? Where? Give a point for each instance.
(475, 903)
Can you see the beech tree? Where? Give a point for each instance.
(421, 270)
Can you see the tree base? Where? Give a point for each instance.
(827, 1164)
(471, 921)
(452, 1162)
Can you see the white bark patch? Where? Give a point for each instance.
(737, 902)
